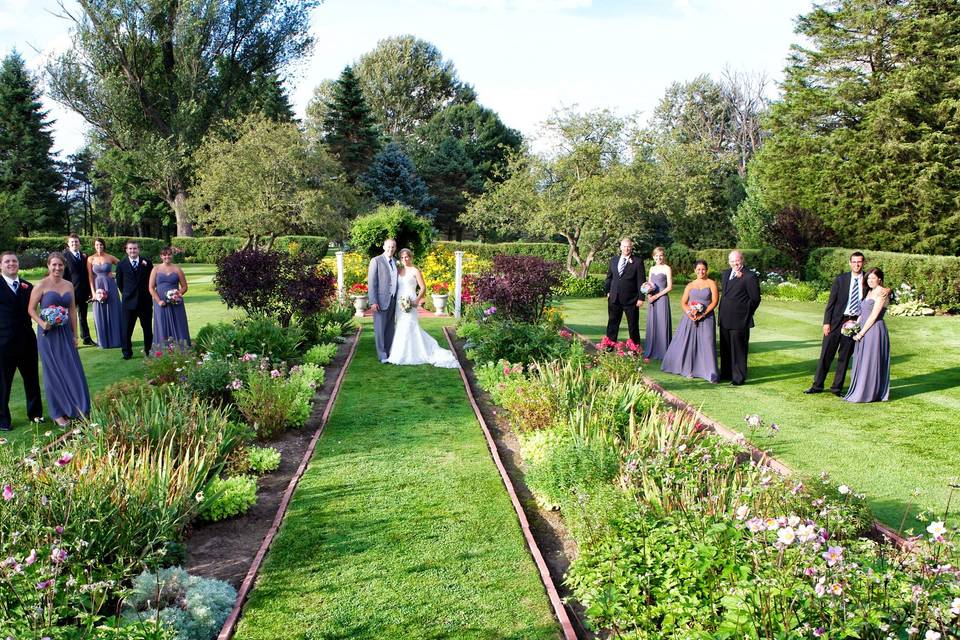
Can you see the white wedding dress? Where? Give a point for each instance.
(411, 344)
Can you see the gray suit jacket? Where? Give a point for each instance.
(381, 281)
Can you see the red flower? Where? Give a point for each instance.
(23, 285)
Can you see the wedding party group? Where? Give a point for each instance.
(123, 292)
(853, 325)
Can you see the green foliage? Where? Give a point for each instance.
(493, 340)
(194, 607)
(321, 354)
(872, 149)
(450, 177)
(936, 279)
(681, 259)
(350, 131)
(228, 497)
(29, 181)
(411, 231)
(270, 402)
(553, 251)
(570, 466)
(790, 290)
(263, 459)
(328, 325)
(258, 335)
(211, 379)
(586, 287)
(170, 364)
(392, 178)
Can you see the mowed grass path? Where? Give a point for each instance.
(106, 366)
(401, 527)
(884, 449)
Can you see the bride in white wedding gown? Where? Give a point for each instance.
(411, 344)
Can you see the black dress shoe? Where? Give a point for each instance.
(5, 427)
(127, 356)
(838, 393)
(812, 390)
(736, 384)
(88, 342)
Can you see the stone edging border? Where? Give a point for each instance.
(559, 610)
(230, 626)
(756, 454)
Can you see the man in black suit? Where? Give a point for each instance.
(846, 294)
(18, 343)
(76, 272)
(739, 299)
(133, 276)
(624, 276)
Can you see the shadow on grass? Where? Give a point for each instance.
(924, 382)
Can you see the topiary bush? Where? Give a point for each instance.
(194, 607)
(368, 233)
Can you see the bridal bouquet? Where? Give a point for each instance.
(55, 315)
(406, 303)
(850, 328)
(173, 296)
(100, 295)
(695, 309)
(648, 288)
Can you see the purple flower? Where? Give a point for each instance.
(58, 555)
(275, 373)
(64, 459)
(46, 584)
(8, 493)
(31, 558)
(58, 529)
(833, 555)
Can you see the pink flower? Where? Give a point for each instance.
(64, 459)
(58, 555)
(23, 285)
(275, 373)
(833, 555)
(58, 529)
(836, 589)
(31, 558)
(46, 584)
(8, 493)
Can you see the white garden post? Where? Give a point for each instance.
(458, 284)
(341, 294)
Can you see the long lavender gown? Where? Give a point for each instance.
(870, 381)
(659, 323)
(693, 350)
(170, 320)
(107, 316)
(64, 383)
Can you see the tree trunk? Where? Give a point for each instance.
(179, 204)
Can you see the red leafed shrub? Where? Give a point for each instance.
(519, 286)
(273, 283)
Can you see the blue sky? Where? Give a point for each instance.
(523, 57)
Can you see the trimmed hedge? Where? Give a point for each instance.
(681, 259)
(935, 278)
(572, 287)
(202, 250)
(553, 251)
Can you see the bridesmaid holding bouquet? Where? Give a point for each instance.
(54, 309)
(693, 350)
(870, 381)
(167, 286)
(659, 322)
(106, 297)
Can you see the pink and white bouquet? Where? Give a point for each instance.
(406, 303)
(100, 295)
(694, 309)
(55, 315)
(850, 328)
(173, 296)
(649, 288)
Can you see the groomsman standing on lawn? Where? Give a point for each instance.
(625, 275)
(133, 278)
(846, 294)
(18, 342)
(739, 299)
(76, 273)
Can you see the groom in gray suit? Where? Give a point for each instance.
(382, 289)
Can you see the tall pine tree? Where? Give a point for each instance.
(350, 131)
(392, 178)
(29, 180)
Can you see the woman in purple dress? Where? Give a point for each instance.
(693, 350)
(659, 323)
(870, 381)
(107, 316)
(167, 286)
(64, 382)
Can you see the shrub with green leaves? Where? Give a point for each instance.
(224, 498)
(169, 364)
(258, 335)
(328, 325)
(368, 232)
(493, 340)
(269, 401)
(263, 460)
(194, 608)
(320, 354)
(574, 287)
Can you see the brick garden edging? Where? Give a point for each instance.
(558, 608)
(230, 626)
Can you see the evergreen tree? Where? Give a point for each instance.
(350, 131)
(29, 180)
(450, 178)
(866, 134)
(392, 178)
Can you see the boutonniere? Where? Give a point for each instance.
(629, 260)
(24, 285)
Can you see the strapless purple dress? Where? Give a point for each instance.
(170, 320)
(870, 380)
(107, 316)
(659, 323)
(693, 350)
(64, 383)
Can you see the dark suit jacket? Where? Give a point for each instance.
(739, 299)
(839, 297)
(14, 319)
(133, 284)
(625, 289)
(76, 272)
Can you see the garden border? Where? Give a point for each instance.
(230, 626)
(558, 607)
(756, 454)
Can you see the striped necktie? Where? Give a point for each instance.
(854, 296)
(622, 266)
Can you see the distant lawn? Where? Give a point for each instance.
(106, 366)
(885, 450)
(401, 527)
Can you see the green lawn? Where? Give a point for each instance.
(401, 527)
(106, 366)
(885, 450)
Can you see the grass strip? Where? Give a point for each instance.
(886, 449)
(401, 527)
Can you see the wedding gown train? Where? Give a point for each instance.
(411, 344)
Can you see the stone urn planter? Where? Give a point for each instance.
(439, 303)
(360, 304)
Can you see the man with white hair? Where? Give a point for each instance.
(739, 299)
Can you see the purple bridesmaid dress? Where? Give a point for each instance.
(106, 315)
(693, 350)
(64, 383)
(170, 320)
(870, 380)
(659, 323)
